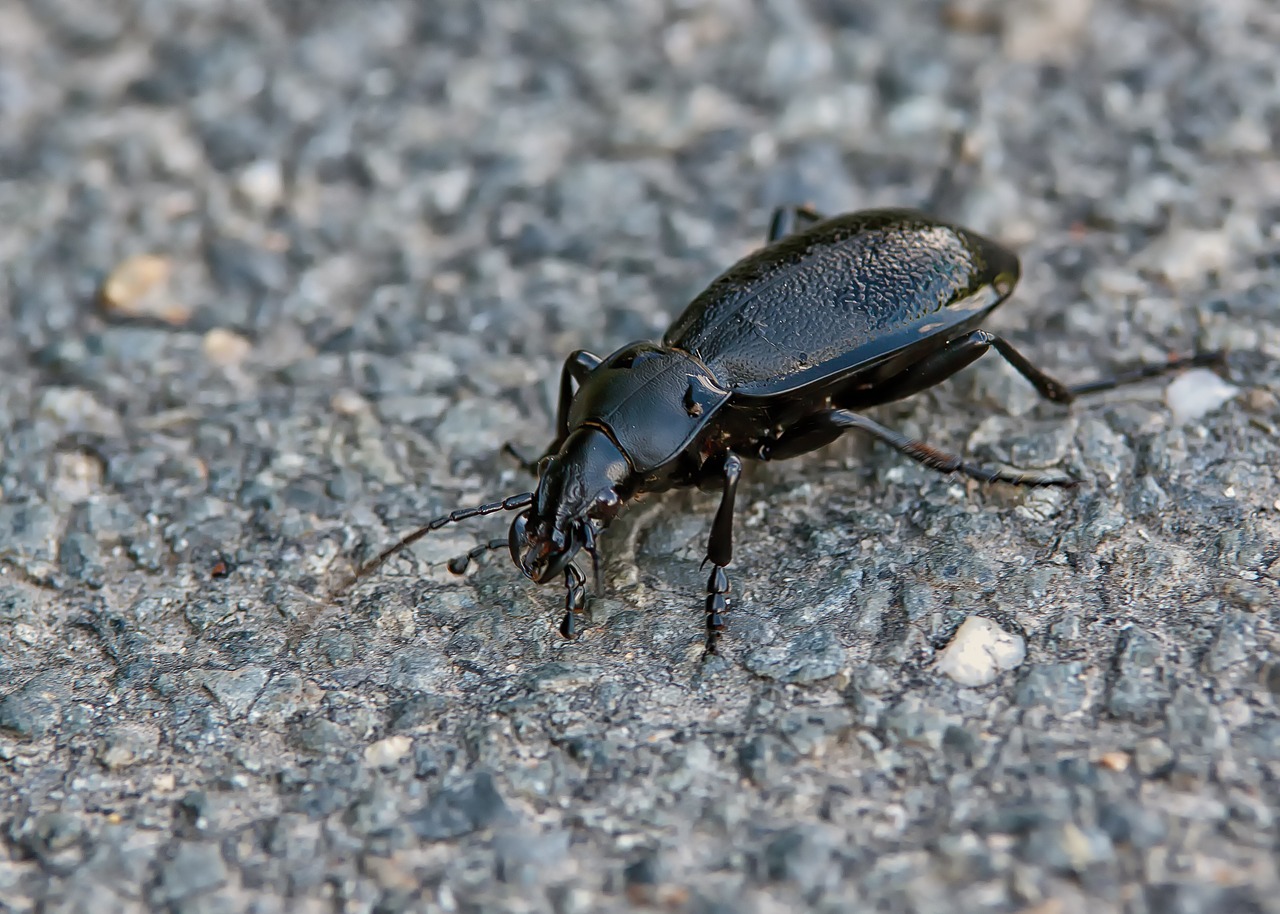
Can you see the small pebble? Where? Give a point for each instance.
(349, 403)
(1260, 400)
(980, 652)
(1184, 255)
(139, 288)
(225, 348)
(387, 753)
(1115, 760)
(124, 747)
(1196, 393)
(261, 184)
(77, 475)
(1153, 757)
(449, 190)
(1043, 31)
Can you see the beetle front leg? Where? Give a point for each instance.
(720, 551)
(575, 603)
(787, 220)
(576, 367)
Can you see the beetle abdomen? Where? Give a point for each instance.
(844, 294)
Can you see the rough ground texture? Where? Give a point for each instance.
(373, 230)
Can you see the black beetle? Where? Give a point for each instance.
(776, 358)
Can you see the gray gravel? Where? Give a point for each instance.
(380, 225)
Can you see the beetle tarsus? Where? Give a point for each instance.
(717, 606)
(1216, 358)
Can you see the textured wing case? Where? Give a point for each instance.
(844, 294)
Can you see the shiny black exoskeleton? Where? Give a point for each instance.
(776, 358)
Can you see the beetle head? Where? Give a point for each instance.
(577, 497)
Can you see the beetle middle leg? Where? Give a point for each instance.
(828, 425)
(720, 551)
(576, 367)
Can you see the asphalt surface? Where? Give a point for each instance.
(281, 278)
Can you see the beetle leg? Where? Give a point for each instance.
(944, 183)
(960, 352)
(790, 219)
(527, 464)
(575, 602)
(918, 451)
(1050, 389)
(720, 551)
(577, 366)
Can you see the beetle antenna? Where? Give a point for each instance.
(460, 563)
(513, 503)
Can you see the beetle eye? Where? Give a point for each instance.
(516, 538)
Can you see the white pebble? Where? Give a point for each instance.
(980, 652)
(387, 753)
(261, 184)
(1196, 393)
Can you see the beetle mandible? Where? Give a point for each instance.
(776, 358)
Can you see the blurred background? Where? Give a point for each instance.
(280, 278)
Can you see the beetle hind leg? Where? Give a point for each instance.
(960, 352)
(1050, 389)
